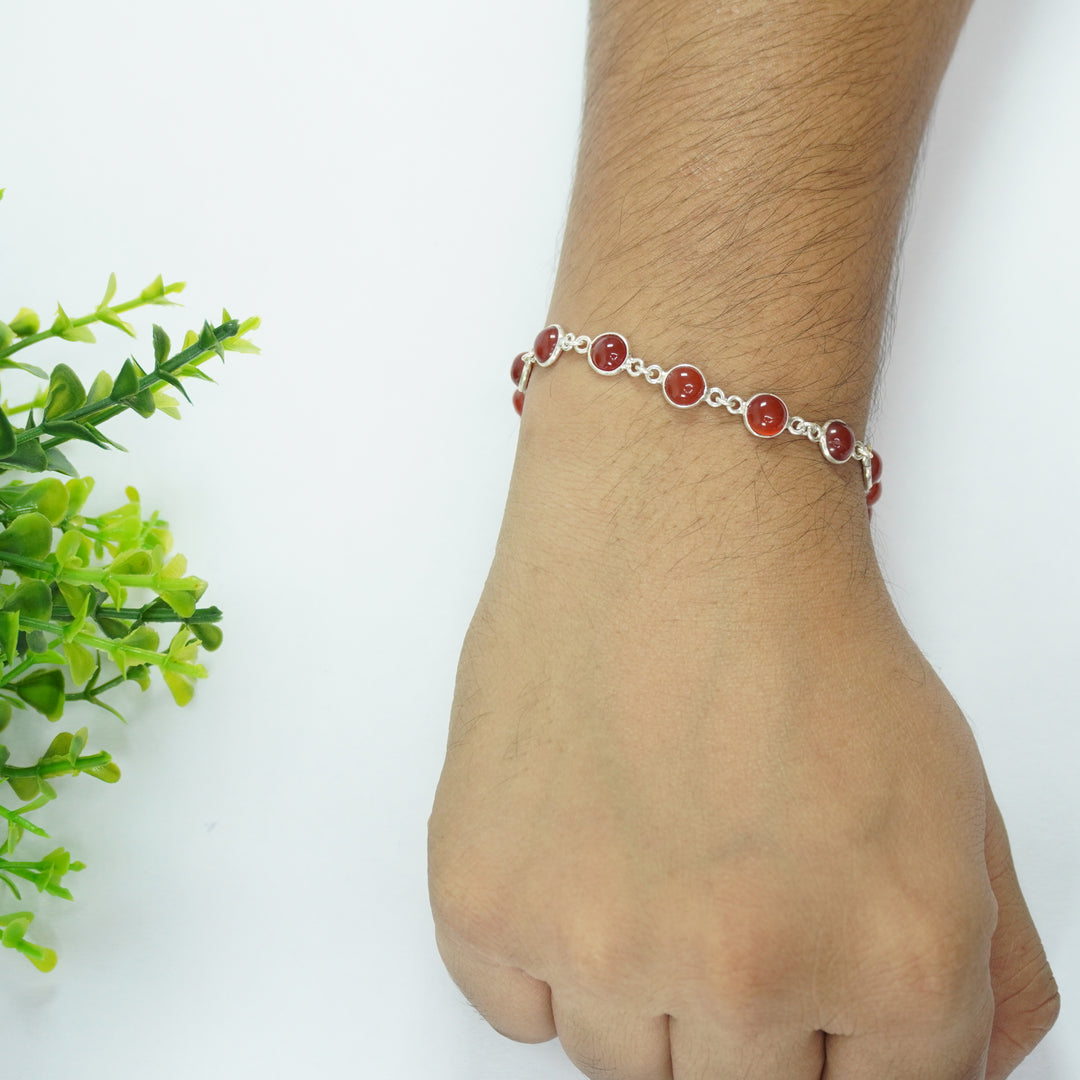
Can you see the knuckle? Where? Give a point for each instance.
(467, 903)
(598, 952)
(938, 961)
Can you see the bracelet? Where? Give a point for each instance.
(684, 386)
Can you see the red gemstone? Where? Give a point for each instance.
(517, 367)
(684, 385)
(519, 401)
(875, 468)
(766, 415)
(545, 345)
(838, 442)
(608, 353)
(873, 494)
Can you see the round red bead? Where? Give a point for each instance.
(873, 494)
(684, 385)
(838, 442)
(519, 401)
(546, 344)
(517, 367)
(766, 415)
(608, 353)
(875, 468)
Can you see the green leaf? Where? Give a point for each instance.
(30, 457)
(172, 380)
(66, 392)
(7, 335)
(44, 691)
(56, 462)
(5, 713)
(33, 599)
(65, 747)
(62, 322)
(143, 403)
(48, 497)
(25, 323)
(180, 686)
(29, 535)
(81, 662)
(9, 635)
(113, 319)
(110, 292)
(209, 635)
(132, 562)
(161, 346)
(127, 382)
(71, 429)
(110, 771)
(8, 439)
(79, 333)
(208, 340)
(100, 388)
(155, 289)
(78, 492)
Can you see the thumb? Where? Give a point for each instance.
(1025, 994)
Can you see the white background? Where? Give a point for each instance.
(385, 185)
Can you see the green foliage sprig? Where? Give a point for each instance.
(71, 628)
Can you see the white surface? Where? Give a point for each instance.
(385, 185)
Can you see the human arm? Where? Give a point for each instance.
(651, 726)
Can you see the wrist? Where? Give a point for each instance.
(607, 467)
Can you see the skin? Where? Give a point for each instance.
(706, 810)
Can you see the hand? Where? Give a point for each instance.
(706, 810)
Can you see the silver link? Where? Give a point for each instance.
(582, 343)
(813, 432)
(715, 397)
(566, 342)
(735, 405)
(654, 373)
(634, 366)
(797, 425)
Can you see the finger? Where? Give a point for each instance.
(512, 1002)
(609, 1043)
(701, 1051)
(916, 1050)
(1025, 994)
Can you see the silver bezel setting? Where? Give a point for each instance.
(528, 360)
(677, 404)
(746, 414)
(593, 341)
(825, 450)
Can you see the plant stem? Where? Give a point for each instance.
(84, 320)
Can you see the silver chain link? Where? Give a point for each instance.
(714, 396)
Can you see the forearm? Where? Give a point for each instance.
(742, 177)
(740, 188)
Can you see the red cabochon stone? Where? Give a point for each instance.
(873, 494)
(875, 468)
(608, 352)
(519, 401)
(544, 345)
(684, 385)
(839, 441)
(517, 367)
(766, 415)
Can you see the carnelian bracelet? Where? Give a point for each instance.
(684, 386)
